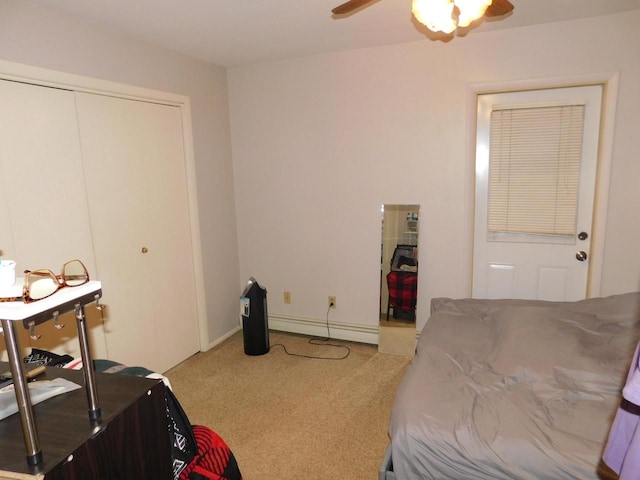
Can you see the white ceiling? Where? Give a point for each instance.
(237, 32)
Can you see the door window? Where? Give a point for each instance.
(534, 170)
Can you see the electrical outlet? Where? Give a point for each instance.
(332, 301)
(287, 297)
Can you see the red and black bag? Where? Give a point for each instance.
(213, 461)
(198, 452)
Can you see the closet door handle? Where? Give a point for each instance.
(145, 249)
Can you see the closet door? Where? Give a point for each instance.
(133, 157)
(43, 205)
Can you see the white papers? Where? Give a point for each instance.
(39, 391)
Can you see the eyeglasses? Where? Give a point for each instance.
(40, 284)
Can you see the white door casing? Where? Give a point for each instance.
(531, 266)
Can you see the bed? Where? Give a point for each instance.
(513, 389)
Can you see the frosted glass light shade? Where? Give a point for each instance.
(436, 15)
(471, 10)
(439, 15)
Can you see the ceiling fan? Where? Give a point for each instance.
(497, 8)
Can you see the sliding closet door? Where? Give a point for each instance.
(133, 156)
(43, 206)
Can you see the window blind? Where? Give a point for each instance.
(534, 169)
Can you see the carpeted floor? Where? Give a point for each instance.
(293, 417)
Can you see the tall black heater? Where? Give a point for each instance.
(255, 321)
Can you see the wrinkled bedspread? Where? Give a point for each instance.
(513, 389)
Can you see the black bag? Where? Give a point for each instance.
(183, 441)
(198, 452)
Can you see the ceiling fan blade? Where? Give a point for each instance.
(498, 8)
(349, 6)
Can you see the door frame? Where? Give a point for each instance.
(52, 78)
(609, 81)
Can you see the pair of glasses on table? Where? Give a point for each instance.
(40, 284)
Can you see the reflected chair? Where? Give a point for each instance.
(402, 283)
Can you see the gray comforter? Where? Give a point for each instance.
(513, 389)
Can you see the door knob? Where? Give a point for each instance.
(583, 235)
(581, 255)
(145, 249)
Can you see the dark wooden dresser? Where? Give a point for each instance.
(130, 441)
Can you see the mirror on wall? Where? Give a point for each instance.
(398, 278)
(398, 264)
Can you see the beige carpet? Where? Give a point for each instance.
(291, 417)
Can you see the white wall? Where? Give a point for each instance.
(39, 37)
(319, 143)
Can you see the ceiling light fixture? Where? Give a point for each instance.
(447, 15)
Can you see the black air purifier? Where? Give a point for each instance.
(255, 321)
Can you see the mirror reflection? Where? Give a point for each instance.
(399, 277)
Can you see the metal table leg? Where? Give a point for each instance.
(25, 409)
(89, 373)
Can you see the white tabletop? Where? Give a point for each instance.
(19, 310)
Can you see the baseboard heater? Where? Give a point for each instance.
(318, 328)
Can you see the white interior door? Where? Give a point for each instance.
(43, 208)
(134, 166)
(535, 266)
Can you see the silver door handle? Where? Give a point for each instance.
(581, 256)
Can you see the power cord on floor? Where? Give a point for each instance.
(319, 342)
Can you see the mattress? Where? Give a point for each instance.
(513, 389)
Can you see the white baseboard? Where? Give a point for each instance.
(318, 328)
